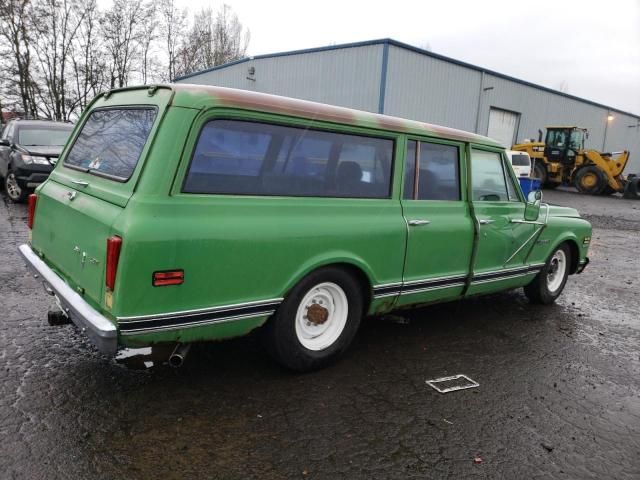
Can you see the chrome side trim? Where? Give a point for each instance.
(100, 330)
(162, 328)
(196, 311)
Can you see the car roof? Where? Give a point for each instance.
(231, 97)
(42, 123)
(205, 96)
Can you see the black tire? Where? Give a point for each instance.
(607, 191)
(632, 189)
(551, 185)
(15, 193)
(281, 338)
(538, 290)
(590, 180)
(539, 171)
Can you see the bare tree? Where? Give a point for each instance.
(230, 38)
(173, 22)
(88, 59)
(57, 23)
(14, 28)
(212, 41)
(121, 31)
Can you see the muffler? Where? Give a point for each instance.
(176, 359)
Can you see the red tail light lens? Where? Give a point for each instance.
(33, 199)
(172, 277)
(113, 255)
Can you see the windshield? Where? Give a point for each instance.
(43, 136)
(556, 138)
(576, 141)
(111, 141)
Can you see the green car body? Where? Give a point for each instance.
(241, 255)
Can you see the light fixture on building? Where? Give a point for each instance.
(610, 117)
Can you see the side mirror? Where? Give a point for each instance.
(532, 208)
(4, 142)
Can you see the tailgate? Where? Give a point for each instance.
(70, 232)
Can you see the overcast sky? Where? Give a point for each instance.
(592, 48)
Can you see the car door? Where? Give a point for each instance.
(5, 151)
(498, 205)
(439, 222)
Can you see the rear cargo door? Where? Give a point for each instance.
(92, 183)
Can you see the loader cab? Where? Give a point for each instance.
(562, 144)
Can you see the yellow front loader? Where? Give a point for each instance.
(561, 158)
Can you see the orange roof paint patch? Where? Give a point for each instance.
(207, 96)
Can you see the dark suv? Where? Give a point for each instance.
(28, 151)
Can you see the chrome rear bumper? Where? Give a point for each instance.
(100, 330)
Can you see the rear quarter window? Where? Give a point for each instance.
(111, 141)
(520, 160)
(247, 158)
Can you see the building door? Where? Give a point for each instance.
(503, 126)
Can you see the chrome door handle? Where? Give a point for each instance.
(485, 221)
(415, 223)
(80, 183)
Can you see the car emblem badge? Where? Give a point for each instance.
(71, 195)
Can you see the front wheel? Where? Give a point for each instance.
(550, 281)
(590, 180)
(15, 192)
(317, 320)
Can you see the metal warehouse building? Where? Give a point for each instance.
(393, 78)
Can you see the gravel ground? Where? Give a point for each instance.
(559, 393)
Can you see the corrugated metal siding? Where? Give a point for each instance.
(432, 90)
(347, 77)
(424, 88)
(538, 109)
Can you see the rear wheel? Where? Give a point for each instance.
(15, 193)
(607, 191)
(317, 320)
(550, 281)
(632, 189)
(590, 180)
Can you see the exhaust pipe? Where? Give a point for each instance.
(176, 359)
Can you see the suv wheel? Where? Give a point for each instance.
(15, 193)
(317, 320)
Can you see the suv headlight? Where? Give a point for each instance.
(31, 159)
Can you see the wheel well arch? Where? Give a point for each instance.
(575, 254)
(356, 271)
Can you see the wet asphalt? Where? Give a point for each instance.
(558, 395)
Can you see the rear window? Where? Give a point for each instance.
(43, 136)
(111, 141)
(520, 160)
(247, 158)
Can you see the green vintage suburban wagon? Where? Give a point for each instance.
(184, 213)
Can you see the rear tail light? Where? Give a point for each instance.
(114, 244)
(33, 199)
(170, 277)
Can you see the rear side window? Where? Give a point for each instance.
(111, 141)
(437, 176)
(247, 158)
(520, 160)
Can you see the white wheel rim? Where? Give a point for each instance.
(13, 189)
(556, 270)
(328, 319)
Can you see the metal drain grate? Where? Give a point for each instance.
(452, 384)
